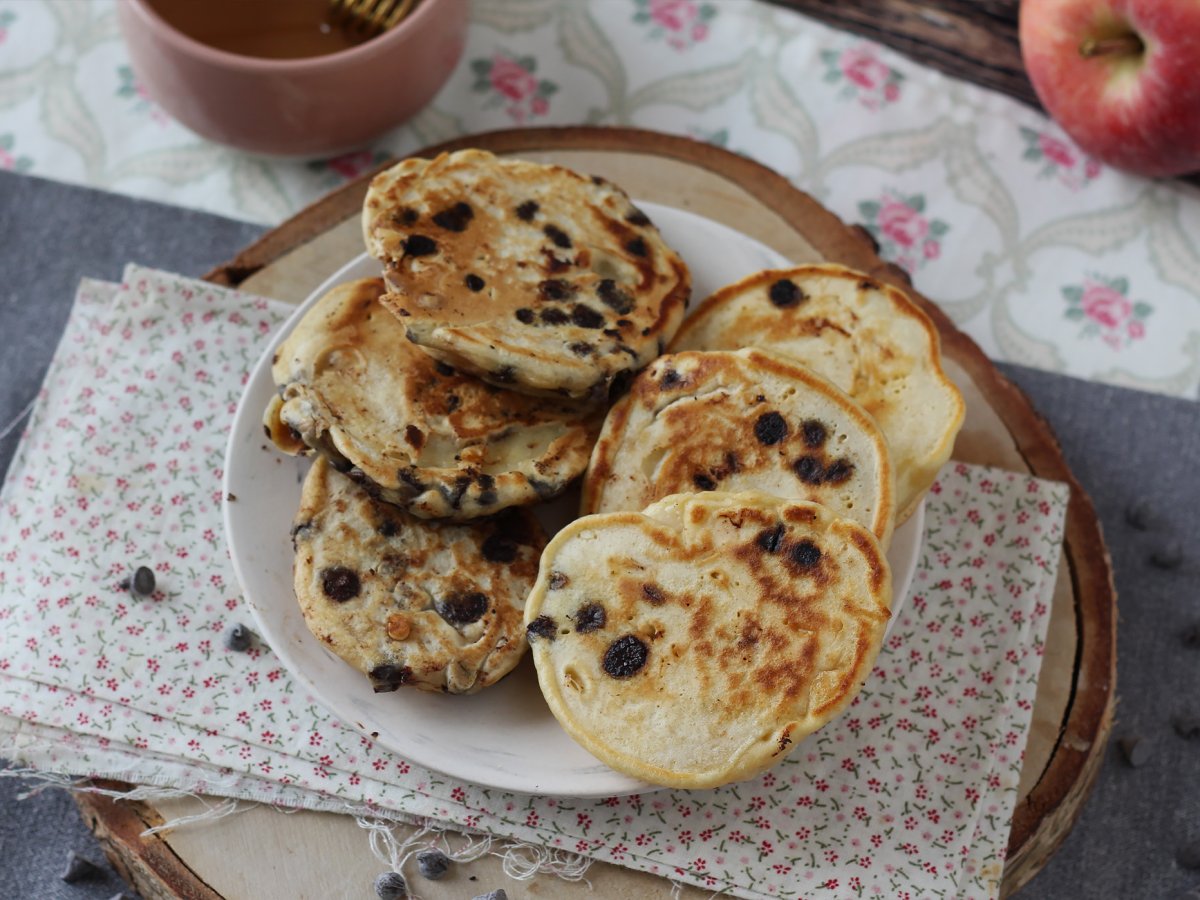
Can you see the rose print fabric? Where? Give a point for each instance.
(985, 202)
(910, 792)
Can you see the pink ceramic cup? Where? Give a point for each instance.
(312, 107)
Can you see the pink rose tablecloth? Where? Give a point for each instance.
(910, 794)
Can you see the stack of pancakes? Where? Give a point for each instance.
(725, 591)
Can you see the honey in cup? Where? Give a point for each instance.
(266, 29)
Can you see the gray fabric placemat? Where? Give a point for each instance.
(1123, 445)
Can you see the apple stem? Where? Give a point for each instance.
(1122, 45)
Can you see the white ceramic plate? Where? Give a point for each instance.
(504, 737)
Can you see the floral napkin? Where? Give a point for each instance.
(908, 794)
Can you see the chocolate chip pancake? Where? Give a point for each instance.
(529, 276)
(696, 643)
(741, 421)
(411, 430)
(867, 337)
(407, 601)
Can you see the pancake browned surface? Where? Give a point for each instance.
(530, 276)
(407, 601)
(866, 337)
(741, 421)
(697, 643)
(410, 429)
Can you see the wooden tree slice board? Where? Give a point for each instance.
(262, 853)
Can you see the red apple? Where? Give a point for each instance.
(1122, 77)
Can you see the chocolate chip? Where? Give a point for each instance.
(456, 218)
(785, 293)
(340, 583)
(613, 297)
(1139, 515)
(1168, 556)
(770, 428)
(432, 864)
(556, 289)
(407, 216)
(544, 489)
(80, 869)
(815, 434)
(474, 283)
(542, 626)
(556, 234)
(771, 539)
(414, 436)
(637, 246)
(499, 549)
(580, 348)
(143, 581)
(525, 315)
(625, 656)
(703, 482)
(653, 593)
(637, 217)
(419, 245)
(590, 618)
(805, 554)
(1188, 855)
(838, 471)
(809, 469)
(443, 369)
(462, 608)
(670, 379)
(558, 581)
(1135, 750)
(391, 886)
(239, 638)
(1186, 726)
(527, 210)
(586, 317)
(553, 316)
(452, 403)
(388, 528)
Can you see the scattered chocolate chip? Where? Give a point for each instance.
(580, 348)
(815, 434)
(613, 297)
(554, 316)
(239, 639)
(525, 315)
(637, 217)
(558, 581)
(125, 583)
(1135, 750)
(527, 210)
(771, 539)
(474, 283)
(625, 656)
(231, 498)
(670, 379)
(838, 471)
(770, 428)
(387, 678)
(499, 549)
(637, 246)
(462, 608)
(340, 583)
(388, 528)
(1188, 855)
(785, 293)
(653, 593)
(586, 317)
(805, 554)
(542, 626)
(556, 289)
(497, 894)
(80, 869)
(143, 581)
(414, 436)
(456, 218)
(544, 489)
(554, 264)
(391, 886)
(590, 618)
(809, 469)
(703, 482)
(558, 236)
(443, 369)
(432, 864)
(408, 216)
(1168, 556)
(419, 245)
